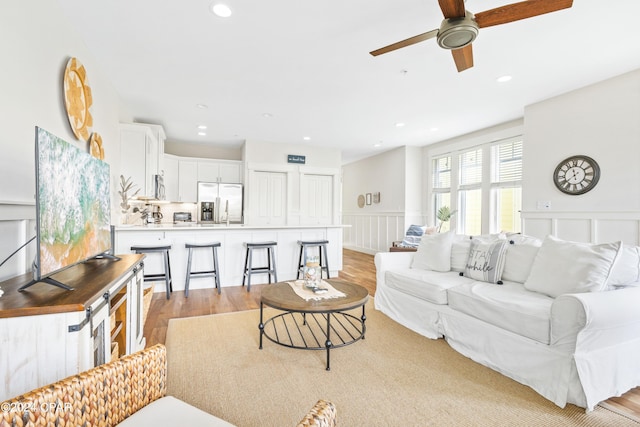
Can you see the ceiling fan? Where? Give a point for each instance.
(460, 27)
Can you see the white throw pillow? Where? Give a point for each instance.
(563, 267)
(521, 253)
(626, 271)
(434, 252)
(461, 245)
(460, 252)
(486, 260)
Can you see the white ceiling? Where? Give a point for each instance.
(307, 64)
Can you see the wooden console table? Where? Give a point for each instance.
(51, 333)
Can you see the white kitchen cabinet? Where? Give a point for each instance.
(171, 165)
(268, 198)
(157, 151)
(140, 153)
(219, 171)
(187, 181)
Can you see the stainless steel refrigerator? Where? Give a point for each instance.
(227, 199)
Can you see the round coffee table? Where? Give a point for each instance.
(315, 324)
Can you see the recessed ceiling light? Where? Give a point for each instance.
(377, 144)
(221, 10)
(503, 79)
(399, 125)
(267, 115)
(202, 133)
(433, 129)
(202, 127)
(306, 138)
(202, 106)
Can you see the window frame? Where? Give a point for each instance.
(489, 204)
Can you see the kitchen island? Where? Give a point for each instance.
(231, 253)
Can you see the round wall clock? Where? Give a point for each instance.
(576, 175)
(78, 99)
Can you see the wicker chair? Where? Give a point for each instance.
(107, 394)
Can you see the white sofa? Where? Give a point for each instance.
(564, 320)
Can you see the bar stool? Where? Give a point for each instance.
(322, 249)
(208, 273)
(166, 276)
(270, 269)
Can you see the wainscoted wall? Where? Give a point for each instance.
(374, 232)
(592, 227)
(17, 226)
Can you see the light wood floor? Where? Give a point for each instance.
(357, 267)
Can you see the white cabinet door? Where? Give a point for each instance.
(151, 163)
(269, 198)
(231, 172)
(140, 153)
(171, 178)
(220, 171)
(316, 199)
(187, 181)
(135, 325)
(208, 171)
(133, 153)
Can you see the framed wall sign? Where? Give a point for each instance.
(368, 198)
(296, 158)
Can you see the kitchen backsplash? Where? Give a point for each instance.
(167, 210)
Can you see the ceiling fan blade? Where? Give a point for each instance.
(404, 43)
(452, 8)
(517, 11)
(463, 57)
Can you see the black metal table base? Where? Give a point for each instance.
(313, 331)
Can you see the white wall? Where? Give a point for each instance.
(208, 151)
(35, 44)
(265, 156)
(603, 122)
(397, 175)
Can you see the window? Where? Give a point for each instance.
(506, 186)
(483, 184)
(441, 187)
(470, 192)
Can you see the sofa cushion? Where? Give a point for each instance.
(626, 271)
(521, 253)
(563, 267)
(486, 260)
(424, 284)
(509, 306)
(169, 411)
(434, 252)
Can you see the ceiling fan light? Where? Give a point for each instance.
(456, 33)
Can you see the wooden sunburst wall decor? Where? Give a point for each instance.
(78, 99)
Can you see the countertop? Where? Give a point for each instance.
(169, 226)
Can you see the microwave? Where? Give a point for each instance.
(182, 217)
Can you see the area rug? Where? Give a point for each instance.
(393, 377)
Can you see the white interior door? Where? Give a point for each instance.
(316, 199)
(269, 198)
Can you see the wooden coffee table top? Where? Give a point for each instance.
(281, 296)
